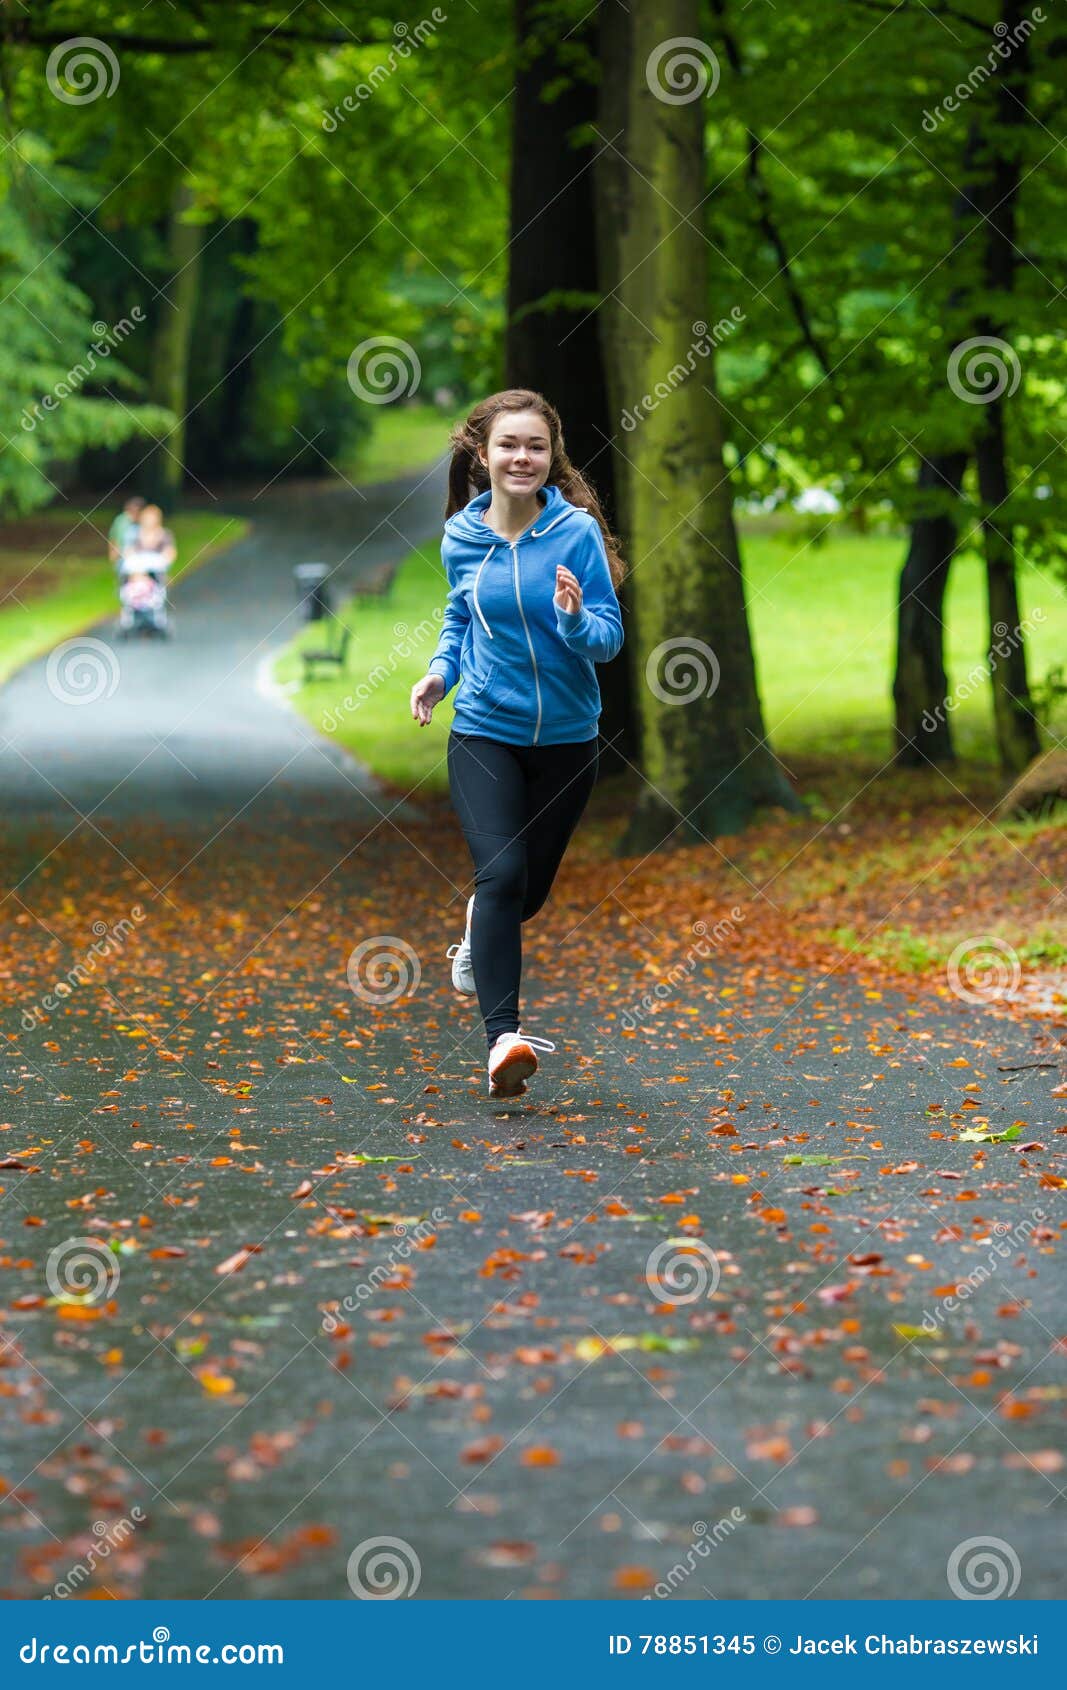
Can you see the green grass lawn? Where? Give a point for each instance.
(404, 439)
(55, 578)
(366, 710)
(824, 625)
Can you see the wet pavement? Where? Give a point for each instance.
(655, 1328)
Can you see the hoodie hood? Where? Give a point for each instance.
(467, 527)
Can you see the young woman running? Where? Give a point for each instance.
(532, 574)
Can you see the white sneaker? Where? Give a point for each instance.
(512, 1060)
(462, 962)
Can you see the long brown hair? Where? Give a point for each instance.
(467, 475)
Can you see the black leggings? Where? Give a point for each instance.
(518, 806)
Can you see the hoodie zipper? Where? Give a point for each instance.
(535, 533)
(529, 642)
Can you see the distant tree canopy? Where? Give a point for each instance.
(859, 200)
(269, 194)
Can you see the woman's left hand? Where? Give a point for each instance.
(568, 591)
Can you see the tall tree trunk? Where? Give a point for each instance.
(994, 194)
(920, 686)
(169, 383)
(1016, 727)
(704, 756)
(240, 361)
(553, 342)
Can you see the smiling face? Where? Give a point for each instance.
(518, 454)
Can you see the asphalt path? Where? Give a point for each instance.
(300, 1351)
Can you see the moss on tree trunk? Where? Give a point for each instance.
(704, 756)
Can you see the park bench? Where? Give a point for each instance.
(335, 655)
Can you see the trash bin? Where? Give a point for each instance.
(311, 585)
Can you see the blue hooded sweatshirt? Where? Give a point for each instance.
(527, 667)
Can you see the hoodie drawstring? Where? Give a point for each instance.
(535, 533)
(477, 578)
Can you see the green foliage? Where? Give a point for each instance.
(856, 247)
(64, 384)
(325, 225)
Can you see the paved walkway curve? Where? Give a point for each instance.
(180, 728)
(298, 1351)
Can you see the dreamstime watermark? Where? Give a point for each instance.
(690, 670)
(107, 339)
(108, 941)
(1005, 641)
(1009, 1239)
(82, 1270)
(407, 642)
(408, 1239)
(984, 969)
(382, 969)
(78, 71)
(109, 1538)
(982, 1569)
(382, 1569)
(704, 342)
(707, 942)
(158, 1651)
(682, 70)
(82, 670)
(705, 1539)
(384, 368)
(1008, 38)
(682, 1270)
(408, 39)
(983, 369)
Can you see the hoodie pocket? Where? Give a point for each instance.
(474, 684)
(569, 689)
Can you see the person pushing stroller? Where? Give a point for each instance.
(145, 558)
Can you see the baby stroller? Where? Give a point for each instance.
(143, 605)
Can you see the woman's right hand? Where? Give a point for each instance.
(424, 695)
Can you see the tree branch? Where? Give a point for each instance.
(21, 35)
(768, 225)
(938, 11)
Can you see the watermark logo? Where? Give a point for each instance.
(983, 369)
(690, 670)
(704, 341)
(108, 940)
(708, 940)
(1008, 37)
(1008, 1240)
(422, 1236)
(682, 1270)
(109, 1539)
(682, 70)
(107, 338)
(408, 39)
(984, 969)
(1005, 640)
(82, 1269)
(982, 1569)
(383, 1569)
(705, 1539)
(383, 369)
(82, 671)
(407, 642)
(383, 968)
(81, 69)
